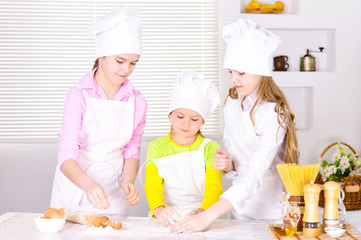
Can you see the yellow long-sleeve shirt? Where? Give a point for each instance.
(165, 146)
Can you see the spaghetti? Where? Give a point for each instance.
(294, 176)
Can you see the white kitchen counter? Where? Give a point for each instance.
(20, 226)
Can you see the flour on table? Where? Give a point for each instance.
(151, 228)
(181, 215)
(100, 231)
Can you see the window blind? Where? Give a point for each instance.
(44, 50)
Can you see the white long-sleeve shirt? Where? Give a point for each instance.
(255, 150)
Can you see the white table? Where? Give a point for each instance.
(20, 226)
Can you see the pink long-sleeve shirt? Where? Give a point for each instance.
(70, 139)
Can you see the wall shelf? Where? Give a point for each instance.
(302, 79)
(295, 43)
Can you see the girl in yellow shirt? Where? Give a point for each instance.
(180, 177)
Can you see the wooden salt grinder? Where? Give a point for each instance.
(311, 219)
(330, 214)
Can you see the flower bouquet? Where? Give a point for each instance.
(343, 162)
(344, 167)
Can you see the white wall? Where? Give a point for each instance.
(26, 170)
(26, 176)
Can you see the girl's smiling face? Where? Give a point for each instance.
(117, 68)
(185, 123)
(245, 83)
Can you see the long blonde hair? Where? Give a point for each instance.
(268, 91)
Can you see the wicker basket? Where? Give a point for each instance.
(351, 186)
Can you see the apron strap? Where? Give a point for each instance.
(141, 170)
(204, 143)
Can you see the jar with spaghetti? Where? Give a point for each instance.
(294, 177)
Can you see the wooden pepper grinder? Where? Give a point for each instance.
(330, 214)
(311, 219)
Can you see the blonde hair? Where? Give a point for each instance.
(268, 91)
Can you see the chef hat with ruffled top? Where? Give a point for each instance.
(192, 91)
(119, 32)
(249, 47)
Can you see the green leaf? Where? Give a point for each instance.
(346, 172)
(352, 165)
(324, 163)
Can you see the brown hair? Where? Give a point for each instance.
(268, 91)
(96, 63)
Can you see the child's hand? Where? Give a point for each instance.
(192, 224)
(222, 162)
(167, 215)
(194, 212)
(132, 193)
(96, 196)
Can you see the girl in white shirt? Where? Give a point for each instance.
(259, 131)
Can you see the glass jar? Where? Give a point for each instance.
(341, 206)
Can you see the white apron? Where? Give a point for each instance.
(107, 127)
(266, 204)
(184, 176)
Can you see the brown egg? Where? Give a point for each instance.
(52, 213)
(55, 215)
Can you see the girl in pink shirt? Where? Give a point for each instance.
(103, 122)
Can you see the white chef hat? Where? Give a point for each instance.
(249, 47)
(119, 32)
(192, 91)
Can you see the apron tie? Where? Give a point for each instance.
(110, 160)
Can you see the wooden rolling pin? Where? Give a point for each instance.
(82, 218)
(90, 219)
